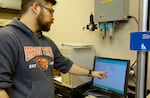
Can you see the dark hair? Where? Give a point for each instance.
(25, 4)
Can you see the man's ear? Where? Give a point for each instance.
(36, 8)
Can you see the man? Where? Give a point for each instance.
(27, 57)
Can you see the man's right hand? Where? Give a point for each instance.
(3, 94)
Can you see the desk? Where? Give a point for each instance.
(76, 92)
(70, 92)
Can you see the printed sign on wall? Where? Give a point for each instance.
(140, 41)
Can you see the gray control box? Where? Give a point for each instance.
(111, 10)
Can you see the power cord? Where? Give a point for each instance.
(129, 17)
(132, 72)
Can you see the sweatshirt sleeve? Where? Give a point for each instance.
(60, 62)
(8, 58)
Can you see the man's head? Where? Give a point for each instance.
(25, 4)
(41, 10)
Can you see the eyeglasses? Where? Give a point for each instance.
(51, 11)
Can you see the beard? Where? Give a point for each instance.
(43, 25)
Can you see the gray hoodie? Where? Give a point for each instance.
(27, 61)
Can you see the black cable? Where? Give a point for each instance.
(134, 81)
(132, 68)
(133, 18)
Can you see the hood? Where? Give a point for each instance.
(25, 30)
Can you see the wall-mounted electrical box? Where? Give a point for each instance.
(111, 10)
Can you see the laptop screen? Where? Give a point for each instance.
(117, 75)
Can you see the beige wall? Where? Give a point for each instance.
(72, 15)
(70, 18)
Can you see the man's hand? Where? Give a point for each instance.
(99, 74)
(3, 94)
(78, 70)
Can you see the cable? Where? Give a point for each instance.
(133, 64)
(133, 18)
(86, 93)
(132, 72)
(134, 81)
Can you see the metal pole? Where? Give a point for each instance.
(141, 55)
